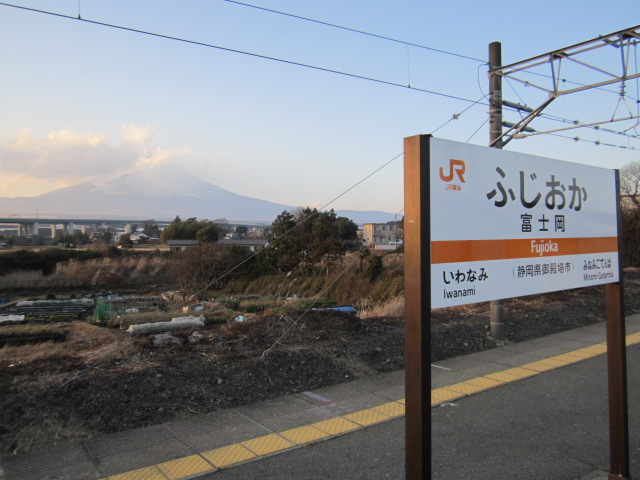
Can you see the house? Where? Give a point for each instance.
(250, 244)
(255, 232)
(136, 237)
(379, 233)
(181, 245)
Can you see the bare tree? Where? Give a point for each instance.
(630, 184)
(197, 269)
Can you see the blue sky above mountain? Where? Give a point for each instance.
(83, 101)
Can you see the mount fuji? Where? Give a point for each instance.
(160, 194)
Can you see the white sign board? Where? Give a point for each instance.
(506, 224)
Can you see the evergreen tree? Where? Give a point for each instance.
(189, 229)
(208, 234)
(309, 237)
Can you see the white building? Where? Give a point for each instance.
(379, 233)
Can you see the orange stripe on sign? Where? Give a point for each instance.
(458, 251)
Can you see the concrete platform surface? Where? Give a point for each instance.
(536, 409)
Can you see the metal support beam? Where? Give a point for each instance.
(497, 326)
(624, 40)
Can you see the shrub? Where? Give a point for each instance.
(631, 236)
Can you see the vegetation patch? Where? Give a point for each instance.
(24, 335)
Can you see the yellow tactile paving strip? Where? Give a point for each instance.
(225, 456)
(366, 417)
(268, 444)
(302, 435)
(185, 467)
(193, 465)
(391, 409)
(336, 426)
(149, 473)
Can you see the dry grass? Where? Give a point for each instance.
(115, 272)
(22, 280)
(84, 344)
(352, 285)
(123, 272)
(48, 429)
(393, 308)
(108, 273)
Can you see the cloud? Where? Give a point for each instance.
(133, 134)
(62, 155)
(19, 185)
(65, 138)
(29, 164)
(159, 156)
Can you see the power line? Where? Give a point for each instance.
(307, 218)
(361, 32)
(477, 130)
(391, 39)
(265, 57)
(318, 297)
(595, 142)
(395, 40)
(456, 116)
(573, 82)
(241, 52)
(122, 345)
(593, 127)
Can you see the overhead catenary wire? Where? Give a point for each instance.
(395, 40)
(122, 345)
(354, 30)
(240, 52)
(572, 82)
(583, 125)
(167, 37)
(318, 297)
(298, 225)
(456, 116)
(595, 142)
(477, 130)
(255, 55)
(391, 39)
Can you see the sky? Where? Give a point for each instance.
(84, 102)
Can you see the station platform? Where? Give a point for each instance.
(531, 410)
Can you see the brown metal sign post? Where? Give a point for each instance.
(417, 308)
(617, 370)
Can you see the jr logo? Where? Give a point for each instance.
(456, 167)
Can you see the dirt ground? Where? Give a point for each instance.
(103, 380)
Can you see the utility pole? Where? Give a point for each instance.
(495, 140)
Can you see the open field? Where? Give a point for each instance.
(87, 379)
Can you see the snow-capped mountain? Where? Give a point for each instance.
(159, 194)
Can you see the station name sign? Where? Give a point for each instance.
(506, 224)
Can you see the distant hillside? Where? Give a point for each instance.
(156, 194)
